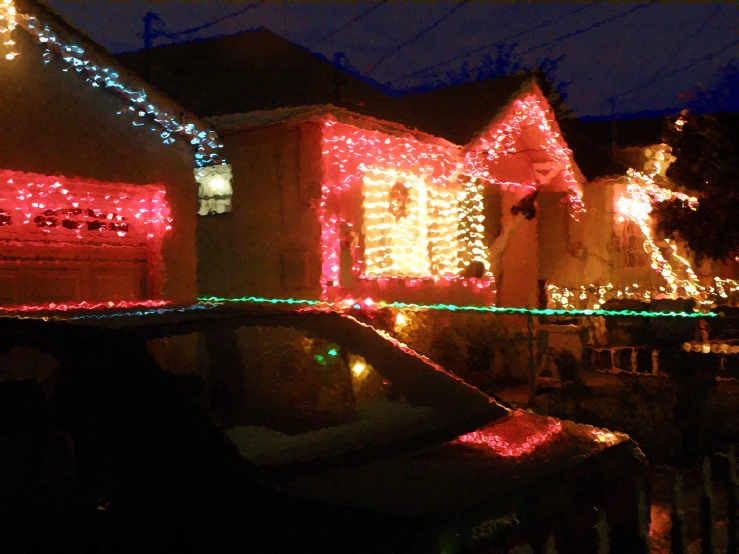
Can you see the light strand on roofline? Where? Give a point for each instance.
(205, 141)
(8, 22)
(369, 304)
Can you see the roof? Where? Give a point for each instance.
(231, 123)
(260, 71)
(594, 143)
(104, 71)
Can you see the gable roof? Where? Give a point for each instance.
(595, 143)
(233, 123)
(259, 70)
(81, 53)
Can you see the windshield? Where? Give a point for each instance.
(284, 395)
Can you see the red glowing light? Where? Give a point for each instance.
(517, 436)
(500, 140)
(59, 208)
(74, 306)
(349, 154)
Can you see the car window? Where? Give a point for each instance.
(283, 396)
(306, 398)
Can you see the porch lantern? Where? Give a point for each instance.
(214, 189)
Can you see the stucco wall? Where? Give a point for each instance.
(53, 122)
(518, 287)
(269, 245)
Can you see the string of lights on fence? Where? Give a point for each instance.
(369, 304)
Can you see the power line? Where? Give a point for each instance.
(487, 46)
(415, 38)
(684, 43)
(161, 32)
(586, 29)
(705, 58)
(345, 25)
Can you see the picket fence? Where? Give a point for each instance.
(678, 532)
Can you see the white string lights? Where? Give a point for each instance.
(635, 205)
(8, 22)
(471, 237)
(205, 141)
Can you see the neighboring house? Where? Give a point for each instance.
(333, 204)
(622, 255)
(343, 192)
(98, 200)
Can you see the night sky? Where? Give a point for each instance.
(610, 59)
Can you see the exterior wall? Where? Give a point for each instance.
(269, 245)
(518, 286)
(426, 256)
(554, 223)
(54, 123)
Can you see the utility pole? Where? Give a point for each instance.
(149, 19)
(614, 132)
(532, 361)
(149, 36)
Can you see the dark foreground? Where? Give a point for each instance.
(155, 474)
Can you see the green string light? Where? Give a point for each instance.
(483, 309)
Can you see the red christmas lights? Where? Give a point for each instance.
(517, 436)
(363, 169)
(359, 165)
(54, 209)
(501, 139)
(75, 306)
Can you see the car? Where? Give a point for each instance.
(278, 429)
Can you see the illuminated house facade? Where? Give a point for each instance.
(622, 257)
(98, 197)
(336, 205)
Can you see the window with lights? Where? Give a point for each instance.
(409, 226)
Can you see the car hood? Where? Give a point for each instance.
(524, 452)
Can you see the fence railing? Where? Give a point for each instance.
(679, 532)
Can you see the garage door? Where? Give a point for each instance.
(64, 240)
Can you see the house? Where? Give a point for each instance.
(342, 191)
(98, 195)
(623, 257)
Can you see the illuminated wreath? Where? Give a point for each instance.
(399, 197)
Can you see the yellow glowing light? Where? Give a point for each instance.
(635, 204)
(8, 22)
(400, 321)
(412, 233)
(470, 238)
(358, 368)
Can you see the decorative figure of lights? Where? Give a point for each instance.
(214, 189)
(635, 205)
(8, 22)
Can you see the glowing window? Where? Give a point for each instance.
(410, 227)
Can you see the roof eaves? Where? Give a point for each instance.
(234, 123)
(81, 53)
(525, 87)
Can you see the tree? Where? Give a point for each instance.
(707, 165)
